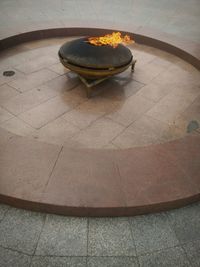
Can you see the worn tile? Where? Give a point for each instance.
(186, 222)
(192, 250)
(5, 115)
(151, 233)
(17, 126)
(7, 92)
(12, 258)
(165, 258)
(20, 230)
(98, 134)
(35, 79)
(42, 261)
(112, 262)
(56, 132)
(47, 111)
(63, 236)
(110, 237)
(134, 107)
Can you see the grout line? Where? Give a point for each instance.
(52, 169)
(15, 250)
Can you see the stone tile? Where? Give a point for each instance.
(170, 107)
(166, 258)
(147, 73)
(56, 132)
(37, 63)
(5, 115)
(13, 258)
(98, 134)
(3, 210)
(154, 176)
(89, 111)
(7, 92)
(154, 92)
(47, 111)
(32, 163)
(27, 100)
(120, 87)
(145, 131)
(152, 232)
(20, 230)
(61, 84)
(63, 236)
(17, 126)
(110, 237)
(9, 79)
(134, 107)
(186, 223)
(58, 68)
(41, 261)
(192, 250)
(101, 178)
(112, 262)
(30, 81)
(192, 113)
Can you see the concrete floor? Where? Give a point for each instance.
(167, 239)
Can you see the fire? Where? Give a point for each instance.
(112, 39)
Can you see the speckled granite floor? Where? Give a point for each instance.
(165, 239)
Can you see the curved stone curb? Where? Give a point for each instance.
(88, 182)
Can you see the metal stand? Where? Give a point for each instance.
(89, 83)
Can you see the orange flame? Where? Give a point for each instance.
(110, 39)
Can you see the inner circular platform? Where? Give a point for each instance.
(132, 148)
(157, 103)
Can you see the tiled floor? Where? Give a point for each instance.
(163, 239)
(47, 102)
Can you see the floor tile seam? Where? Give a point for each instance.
(18, 89)
(183, 111)
(8, 112)
(127, 126)
(88, 222)
(6, 83)
(158, 251)
(53, 168)
(40, 233)
(133, 240)
(32, 72)
(35, 105)
(38, 128)
(16, 250)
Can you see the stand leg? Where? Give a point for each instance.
(133, 65)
